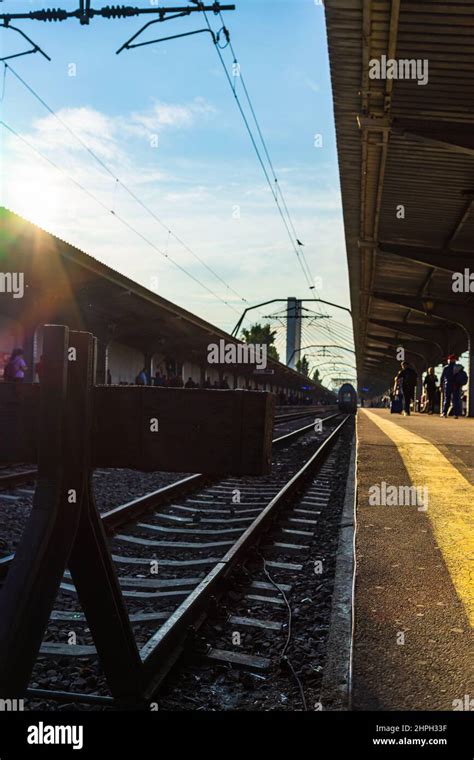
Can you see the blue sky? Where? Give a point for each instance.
(164, 120)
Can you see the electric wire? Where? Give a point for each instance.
(264, 144)
(118, 181)
(262, 164)
(4, 81)
(117, 216)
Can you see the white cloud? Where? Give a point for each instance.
(97, 130)
(163, 115)
(105, 134)
(253, 253)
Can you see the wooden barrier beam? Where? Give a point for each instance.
(215, 432)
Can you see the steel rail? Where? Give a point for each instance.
(298, 415)
(14, 479)
(163, 649)
(128, 512)
(117, 516)
(287, 437)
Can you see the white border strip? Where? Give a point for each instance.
(337, 679)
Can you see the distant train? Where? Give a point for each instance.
(347, 399)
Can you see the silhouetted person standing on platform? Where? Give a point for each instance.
(142, 378)
(16, 367)
(453, 378)
(430, 384)
(407, 378)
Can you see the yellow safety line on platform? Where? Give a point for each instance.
(450, 507)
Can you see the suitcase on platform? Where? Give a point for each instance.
(397, 405)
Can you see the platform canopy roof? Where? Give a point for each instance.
(62, 283)
(406, 159)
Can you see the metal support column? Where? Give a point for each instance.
(293, 331)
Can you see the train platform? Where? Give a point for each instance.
(414, 591)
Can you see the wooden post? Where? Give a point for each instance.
(33, 580)
(93, 573)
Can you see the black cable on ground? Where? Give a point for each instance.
(284, 659)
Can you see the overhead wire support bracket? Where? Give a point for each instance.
(216, 8)
(84, 13)
(128, 46)
(280, 300)
(35, 49)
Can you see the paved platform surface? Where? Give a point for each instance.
(414, 602)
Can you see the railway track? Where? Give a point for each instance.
(13, 478)
(263, 647)
(310, 411)
(201, 531)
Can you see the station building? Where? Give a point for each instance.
(135, 327)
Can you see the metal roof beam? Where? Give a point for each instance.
(376, 351)
(457, 137)
(444, 311)
(449, 261)
(423, 332)
(410, 347)
(393, 359)
(459, 224)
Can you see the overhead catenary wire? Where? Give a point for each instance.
(338, 333)
(4, 82)
(312, 331)
(309, 340)
(114, 214)
(311, 336)
(261, 162)
(275, 192)
(118, 181)
(264, 144)
(338, 327)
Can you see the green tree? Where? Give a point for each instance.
(302, 365)
(316, 375)
(258, 333)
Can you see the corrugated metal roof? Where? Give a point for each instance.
(410, 145)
